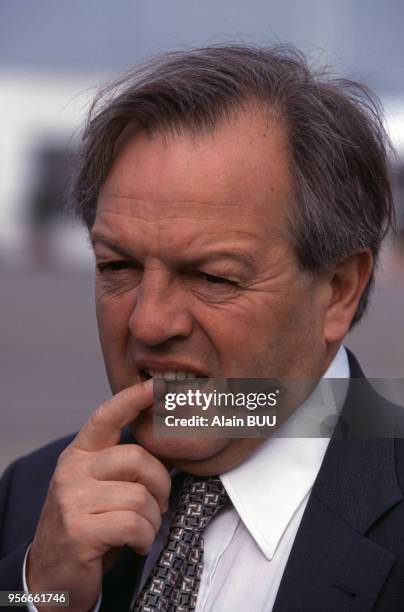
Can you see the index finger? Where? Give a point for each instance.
(103, 428)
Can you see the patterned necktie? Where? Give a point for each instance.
(174, 581)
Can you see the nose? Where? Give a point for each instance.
(160, 311)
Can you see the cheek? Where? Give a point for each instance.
(239, 333)
(113, 315)
(262, 331)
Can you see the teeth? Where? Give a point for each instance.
(170, 374)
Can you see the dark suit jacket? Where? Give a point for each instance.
(348, 554)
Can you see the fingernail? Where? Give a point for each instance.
(148, 384)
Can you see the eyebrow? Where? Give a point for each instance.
(111, 243)
(241, 257)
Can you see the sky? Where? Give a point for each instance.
(363, 38)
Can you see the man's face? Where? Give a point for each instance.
(195, 272)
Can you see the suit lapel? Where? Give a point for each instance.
(333, 565)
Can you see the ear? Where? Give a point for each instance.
(347, 282)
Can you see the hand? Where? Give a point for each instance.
(102, 495)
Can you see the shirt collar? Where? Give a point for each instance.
(268, 488)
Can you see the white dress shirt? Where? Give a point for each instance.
(247, 545)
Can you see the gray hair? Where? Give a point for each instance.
(334, 126)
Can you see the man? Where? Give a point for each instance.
(236, 203)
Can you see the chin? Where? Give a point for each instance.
(198, 456)
(177, 450)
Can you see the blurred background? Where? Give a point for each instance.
(53, 57)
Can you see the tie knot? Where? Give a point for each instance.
(200, 500)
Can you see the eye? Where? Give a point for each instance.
(211, 278)
(213, 287)
(114, 266)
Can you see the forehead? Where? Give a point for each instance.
(238, 175)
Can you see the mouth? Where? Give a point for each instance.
(169, 375)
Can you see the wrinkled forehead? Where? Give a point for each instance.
(245, 159)
(184, 189)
